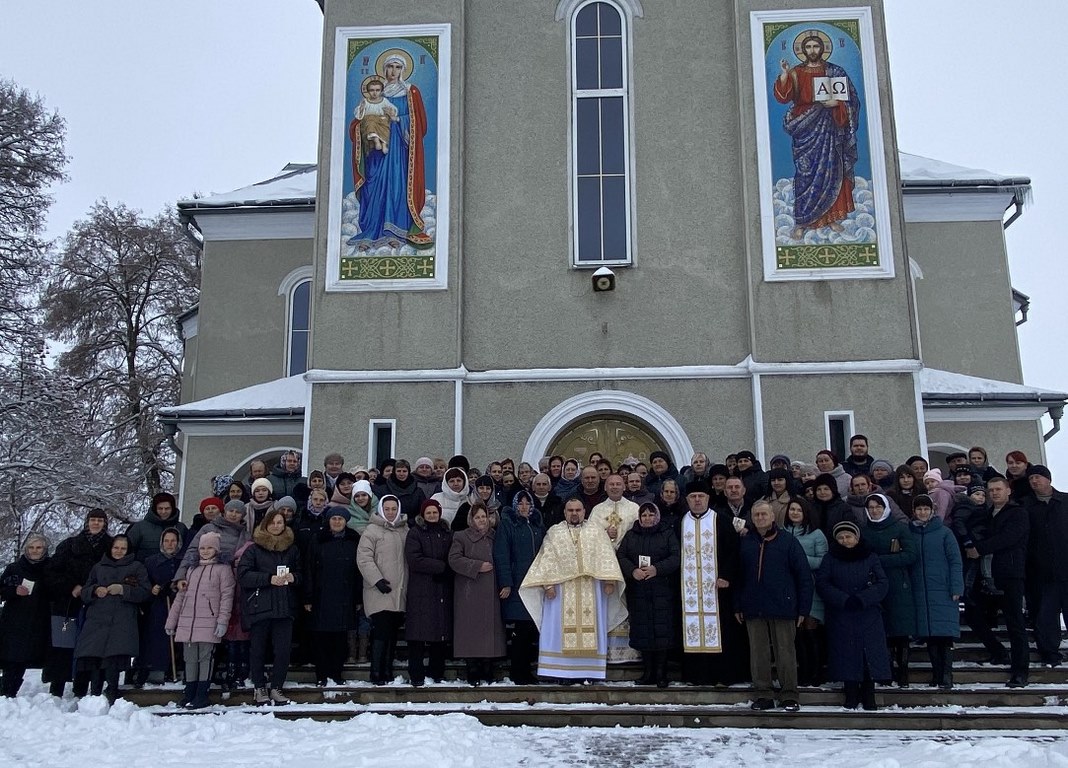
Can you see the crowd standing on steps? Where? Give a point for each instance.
(718, 572)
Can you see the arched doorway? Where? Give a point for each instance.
(632, 412)
(613, 436)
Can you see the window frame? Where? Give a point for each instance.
(288, 289)
(625, 92)
(849, 421)
(373, 425)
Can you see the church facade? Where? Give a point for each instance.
(537, 228)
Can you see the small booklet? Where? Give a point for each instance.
(644, 561)
(29, 585)
(827, 88)
(282, 570)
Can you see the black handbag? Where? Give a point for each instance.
(64, 631)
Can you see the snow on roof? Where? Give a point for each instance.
(917, 170)
(948, 385)
(296, 184)
(281, 396)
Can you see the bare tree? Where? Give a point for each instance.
(31, 160)
(120, 281)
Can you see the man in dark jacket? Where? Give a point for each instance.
(1047, 511)
(774, 597)
(146, 534)
(1007, 542)
(753, 476)
(859, 460)
(548, 503)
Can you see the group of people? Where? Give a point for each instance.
(804, 573)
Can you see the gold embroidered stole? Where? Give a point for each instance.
(700, 599)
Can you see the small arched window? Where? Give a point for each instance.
(601, 157)
(299, 328)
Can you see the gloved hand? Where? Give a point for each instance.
(853, 603)
(220, 630)
(169, 631)
(383, 587)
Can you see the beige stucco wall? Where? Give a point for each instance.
(997, 437)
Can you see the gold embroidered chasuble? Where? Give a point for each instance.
(575, 558)
(700, 598)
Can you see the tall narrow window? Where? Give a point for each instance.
(601, 194)
(299, 327)
(381, 440)
(838, 427)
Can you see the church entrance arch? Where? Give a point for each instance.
(614, 423)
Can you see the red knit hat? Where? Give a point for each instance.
(212, 500)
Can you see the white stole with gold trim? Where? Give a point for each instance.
(700, 599)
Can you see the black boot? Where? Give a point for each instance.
(867, 695)
(188, 694)
(852, 695)
(935, 655)
(660, 667)
(96, 682)
(901, 659)
(379, 657)
(473, 677)
(946, 682)
(648, 669)
(200, 696)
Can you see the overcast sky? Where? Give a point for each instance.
(163, 100)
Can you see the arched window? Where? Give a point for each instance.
(601, 157)
(296, 288)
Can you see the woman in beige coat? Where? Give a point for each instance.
(380, 558)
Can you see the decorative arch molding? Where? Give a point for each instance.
(946, 447)
(293, 279)
(632, 8)
(264, 453)
(608, 401)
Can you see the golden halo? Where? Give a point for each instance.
(380, 62)
(828, 46)
(363, 83)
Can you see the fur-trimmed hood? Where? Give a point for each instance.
(271, 542)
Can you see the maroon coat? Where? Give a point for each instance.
(204, 604)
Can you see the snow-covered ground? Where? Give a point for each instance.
(38, 730)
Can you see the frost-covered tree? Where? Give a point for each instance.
(119, 282)
(31, 160)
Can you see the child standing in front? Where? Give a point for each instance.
(199, 617)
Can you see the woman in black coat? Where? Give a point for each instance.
(519, 537)
(333, 591)
(649, 558)
(852, 583)
(828, 507)
(68, 570)
(25, 621)
(269, 575)
(428, 607)
(112, 594)
(156, 647)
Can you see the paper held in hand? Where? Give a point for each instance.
(28, 585)
(644, 561)
(282, 570)
(827, 88)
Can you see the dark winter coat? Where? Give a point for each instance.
(285, 483)
(970, 522)
(1048, 537)
(145, 535)
(551, 508)
(651, 602)
(428, 609)
(858, 467)
(332, 583)
(776, 582)
(478, 631)
(205, 604)
(937, 575)
(155, 646)
(899, 607)
(856, 638)
(70, 566)
(25, 620)
(1007, 542)
(263, 601)
(516, 544)
(827, 514)
(110, 627)
(755, 480)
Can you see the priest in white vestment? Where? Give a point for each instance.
(574, 591)
(617, 515)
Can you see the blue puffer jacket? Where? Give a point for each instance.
(936, 576)
(514, 548)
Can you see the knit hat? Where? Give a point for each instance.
(974, 488)
(336, 510)
(828, 480)
(211, 501)
(884, 464)
(935, 474)
(1039, 469)
(210, 539)
(746, 455)
(429, 503)
(923, 500)
(220, 484)
(361, 486)
(423, 461)
(913, 458)
(659, 455)
(846, 526)
(234, 505)
(956, 455)
(719, 470)
(459, 460)
(262, 482)
(286, 502)
(780, 457)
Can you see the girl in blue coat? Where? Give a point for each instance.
(852, 583)
(937, 584)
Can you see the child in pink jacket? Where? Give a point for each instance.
(199, 616)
